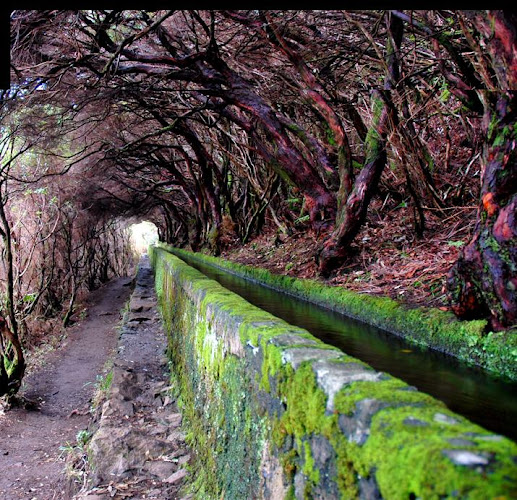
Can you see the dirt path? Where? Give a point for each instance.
(31, 462)
(137, 444)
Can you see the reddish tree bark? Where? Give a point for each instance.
(353, 213)
(219, 79)
(290, 162)
(353, 206)
(483, 282)
(313, 92)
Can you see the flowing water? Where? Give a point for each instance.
(468, 391)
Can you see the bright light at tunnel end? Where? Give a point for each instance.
(143, 234)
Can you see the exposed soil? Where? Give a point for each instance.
(31, 461)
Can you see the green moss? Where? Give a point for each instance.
(290, 493)
(423, 326)
(305, 402)
(391, 391)
(308, 467)
(373, 142)
(422, 469)
(238, 395)
(271, 364)
(489, 242)
(348, 466)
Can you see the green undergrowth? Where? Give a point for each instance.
(496, 352)
(251, 414)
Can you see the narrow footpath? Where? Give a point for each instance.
(31, 461)
(138, 448)
(137, 414)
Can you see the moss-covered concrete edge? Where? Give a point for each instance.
(495, 352)
(276, 413)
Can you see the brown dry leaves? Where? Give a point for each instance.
(387, 257)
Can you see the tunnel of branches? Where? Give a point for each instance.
(219, 125)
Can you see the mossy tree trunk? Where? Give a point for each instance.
(353, 205)
(352, 213)
(12, 360)
(483, 282)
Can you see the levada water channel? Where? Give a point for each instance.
(466, 390)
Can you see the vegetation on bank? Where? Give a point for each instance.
(468, 341)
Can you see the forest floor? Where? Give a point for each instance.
(386, 259)
(61, 383)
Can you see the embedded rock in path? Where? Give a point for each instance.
(126, 444)
(138, 447)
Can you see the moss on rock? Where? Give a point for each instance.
(253, 386)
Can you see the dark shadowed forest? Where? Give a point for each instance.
(373, 150)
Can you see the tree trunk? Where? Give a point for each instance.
(353, 214)
(11, 349)
(483, 281)
(207, 185)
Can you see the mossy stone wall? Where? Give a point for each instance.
(496, 352)
(275, 413)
